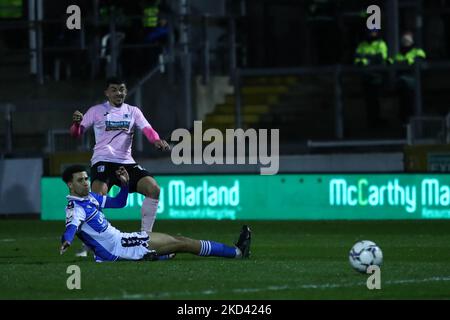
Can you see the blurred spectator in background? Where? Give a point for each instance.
(160, 33)
(372, 51)
(112, 61)
(406, 81)
(157, 37)
(107, 55)
(62, 58)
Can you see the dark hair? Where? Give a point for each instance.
(113, 80)
(67, 175)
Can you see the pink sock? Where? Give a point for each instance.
(148, 210)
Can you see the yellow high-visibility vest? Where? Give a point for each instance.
(10, 9)
(409, 57)
(369, 50)
(150, 19)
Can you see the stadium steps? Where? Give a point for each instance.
(304, 112)
(271, 80)
(259, 94)
(435, 97)
(299, 107)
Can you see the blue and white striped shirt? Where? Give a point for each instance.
(84, 217)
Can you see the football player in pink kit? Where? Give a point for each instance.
(114, 123)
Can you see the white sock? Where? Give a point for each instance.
(148, 210)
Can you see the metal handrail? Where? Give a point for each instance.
(51, 143)
(136, 91)
(8, 109)
(338, 70)
(391, 142)
(355, 143)
(192, 18)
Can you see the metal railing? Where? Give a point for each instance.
(60, 140)
(180, 52)
(8, 110)
(337, 71)
(428, 130)
(181, 23)
(136, 91)
(420, 130)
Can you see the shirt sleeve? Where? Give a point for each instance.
(88, 118)
(76, 130)
(69, 234)
(140, 120)
(120, 200)
(100, 198)
(74, 217)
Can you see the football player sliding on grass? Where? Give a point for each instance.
(85, 219)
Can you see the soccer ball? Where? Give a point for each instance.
(364, 254)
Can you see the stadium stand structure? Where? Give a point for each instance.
(301, 107)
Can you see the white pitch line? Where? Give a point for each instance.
(276, 288)
(433, 279)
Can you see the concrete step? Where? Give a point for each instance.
(291, 133)
(266, 89)
(222, 119)
(296, 123)
(270, 80)
(254, 99)
(303, 107)
(246, 109)
(295, 97)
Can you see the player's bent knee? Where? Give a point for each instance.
(156, 190)
(149, 188)
(153, 191)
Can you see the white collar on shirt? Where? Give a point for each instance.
(109, 106)
(70, 197)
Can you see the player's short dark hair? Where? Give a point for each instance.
(67, 175)
(114, 80)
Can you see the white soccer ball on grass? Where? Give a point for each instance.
(363, 254)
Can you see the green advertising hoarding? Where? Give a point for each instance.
(280, 197)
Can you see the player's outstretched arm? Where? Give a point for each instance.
(154, 139)
(67, 238)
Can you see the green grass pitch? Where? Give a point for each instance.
(290, 260)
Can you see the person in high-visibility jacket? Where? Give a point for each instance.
(406, 82)
(408, 54)
(371, 52)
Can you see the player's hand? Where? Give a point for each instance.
(162, 145)
(77, 116)
(64, 247)
(122, 175)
